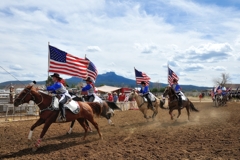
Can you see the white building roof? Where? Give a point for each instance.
(107, 89)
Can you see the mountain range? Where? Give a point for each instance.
(111, 79)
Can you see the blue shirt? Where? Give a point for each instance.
(115, 98)
(54, 87)
(144, 90)
(176, 88)
(89, 88)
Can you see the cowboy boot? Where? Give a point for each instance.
(62, 110)
(151, 106)
(180, 102)
(63, 115)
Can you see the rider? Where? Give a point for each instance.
(145, 91)
(177, 90)
(90, 89)
(59, 89)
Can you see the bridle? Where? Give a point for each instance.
(29, 92)
(168, 93)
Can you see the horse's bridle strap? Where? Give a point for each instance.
(50, 108)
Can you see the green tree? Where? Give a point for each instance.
(49, 81)
(154, 90)
(161, 89)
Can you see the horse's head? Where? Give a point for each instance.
(168, 91)
(132, 95)
(25, 96)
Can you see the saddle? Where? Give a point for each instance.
(151, 97)
(184, 98)
(71, 105)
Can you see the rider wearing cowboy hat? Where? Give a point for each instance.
(145, 91)
(177, 90)
(59, 89)
(90, 89)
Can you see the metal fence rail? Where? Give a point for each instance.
(23, 112)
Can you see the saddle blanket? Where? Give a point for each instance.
(72, 105)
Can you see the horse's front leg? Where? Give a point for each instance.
(155, 112)
(145, 114)
(38, 123)
(44, 130)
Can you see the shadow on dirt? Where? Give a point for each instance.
(46, 149)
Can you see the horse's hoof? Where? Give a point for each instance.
(112, 124)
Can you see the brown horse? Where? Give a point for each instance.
(48, 114)
(173, 103)
(143, 106)
(106, 111)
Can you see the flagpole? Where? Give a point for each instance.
(48, 61)
(167, 72)
(135, 75)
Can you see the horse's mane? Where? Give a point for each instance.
(171, 90)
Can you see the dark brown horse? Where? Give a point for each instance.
(107, 111)
(173, 103)
(48, 114)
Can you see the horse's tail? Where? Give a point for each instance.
(192, 108)
(96, 107)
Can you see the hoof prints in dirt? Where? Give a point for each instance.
(212, 133)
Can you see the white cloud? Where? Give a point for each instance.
(93, 49)
(16, 67)
(219, 68)
(126, 34)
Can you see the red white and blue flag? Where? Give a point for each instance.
(65, 63)
(92, 70)
(171, 76)
(140, 76)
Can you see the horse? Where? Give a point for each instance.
(173, 103)
(221, 100)
(107, 111)
(49, 113)
(143, 105)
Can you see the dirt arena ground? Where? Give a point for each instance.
(213, 133)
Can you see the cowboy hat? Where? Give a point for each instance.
(56, 75)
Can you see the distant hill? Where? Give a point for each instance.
(111, 79)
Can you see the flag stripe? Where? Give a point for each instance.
(171, 76)
(140, 76)
(91, 70)
(65, 63)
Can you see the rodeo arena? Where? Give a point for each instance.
(119, 122)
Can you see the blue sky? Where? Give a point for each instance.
(200, 39)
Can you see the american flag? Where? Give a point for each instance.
(65, 63)
(140, 76)
(171, 76)
(92, 70)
